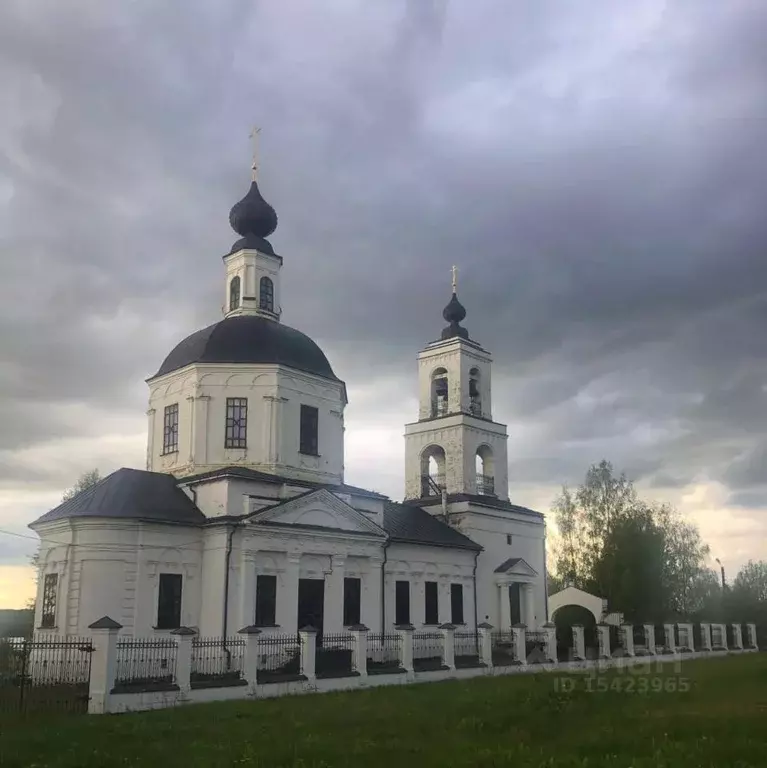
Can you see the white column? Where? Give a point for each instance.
(752, 643)
(103, 664)
(519, 643)
(270, 448)
(737, 637)
(705, 636)
(551, 641)
(287, 594)
(334, 594)
(360, 634)
(202, 411)
(192, 422)
(505, 607)
(670, 637)
(150, 439)
(250, 662)
(528, 606)
(443, 598)
(418, 599)
(628, 638)
(406, 647)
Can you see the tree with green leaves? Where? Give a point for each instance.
(751, 581)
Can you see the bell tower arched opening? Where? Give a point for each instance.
(439, 392)
(433, 464)
(475, 398)
(485, 470)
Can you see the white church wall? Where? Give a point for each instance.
(419, 564)
(490, 530)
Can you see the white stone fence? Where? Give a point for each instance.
(129, 674)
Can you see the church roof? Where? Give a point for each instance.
(264, 477)
(249, 339)
(481, 500)
(130, 493)
(410, 524)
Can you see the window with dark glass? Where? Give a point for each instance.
(170, 429)
(266, 294)
(456, 603)
(169, 601)
(234, 293)
(508, 538)
(310, 417)
(236, 422)
(50, 588)
(266, 601)
(352, 601)
(432, 603)
(402, 602)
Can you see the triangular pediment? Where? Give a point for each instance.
(516, 566)
(319, 510)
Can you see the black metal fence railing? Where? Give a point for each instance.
(661, 646)
(217, 661)
(384, 653)
(503, 650)
(536, 642)
(428, 650)
(640, 639)
(279, 658)
(467, 649)
(336, 655)
(45, 674)
(145, 663)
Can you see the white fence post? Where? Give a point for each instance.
(308, 637)
(579, 643)
(182, 675)
(628, 639)
(486, 644)
(448, 645)
(705, 636)
(250, 659)
(519, 642)
(551, 641)
(670, 637)
(603, 638)
(751, 629)
(405, 631)
(649, 637)
(103, 664)
(360, 634)
(737, 637)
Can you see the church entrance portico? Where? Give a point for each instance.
(515, 580)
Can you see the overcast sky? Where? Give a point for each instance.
(596, 169)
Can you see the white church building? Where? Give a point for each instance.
(242, 516)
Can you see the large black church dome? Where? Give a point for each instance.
(249, 339)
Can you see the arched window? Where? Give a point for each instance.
(484, 470)
(439, 392)
(475, 399)
(234, 293)
(266, 295)
(433, 471)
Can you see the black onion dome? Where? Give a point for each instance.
(454, 312)
(253, 216)
(249, 339)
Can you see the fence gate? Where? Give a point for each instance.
(45, 674)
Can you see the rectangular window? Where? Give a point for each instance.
(456, 603)
(169, 601)
(50, 588)
(432, 603)
(236, 422)
(508, 539)
(402, 602)
(266, 601)
(170, 429)
(309, 430)
(352, 601)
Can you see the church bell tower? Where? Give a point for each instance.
(455, 446)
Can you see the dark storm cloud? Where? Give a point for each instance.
(595, 169)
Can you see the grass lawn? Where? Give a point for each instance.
(507, 721)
